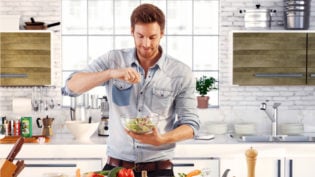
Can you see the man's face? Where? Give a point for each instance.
(147, 39)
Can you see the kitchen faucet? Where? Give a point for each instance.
(273, 118)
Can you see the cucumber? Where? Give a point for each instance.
(113, 172)
(103, 172)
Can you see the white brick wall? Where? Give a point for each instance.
(48, 11)
(236, 103)
(234, 96)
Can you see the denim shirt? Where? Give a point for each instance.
(168, 90)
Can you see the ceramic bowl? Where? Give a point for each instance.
(82, 131)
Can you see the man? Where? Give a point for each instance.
(140, 78)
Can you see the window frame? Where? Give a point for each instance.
(167, 37)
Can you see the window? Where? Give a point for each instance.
(93, 27)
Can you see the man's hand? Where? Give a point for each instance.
(126, 74)
(180, 133)
(153, 138)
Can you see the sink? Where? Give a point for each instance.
(279, 138)
(255, 138)
(295, 138)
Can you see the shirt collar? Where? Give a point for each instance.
(160, 63)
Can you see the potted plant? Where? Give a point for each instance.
(204, 85)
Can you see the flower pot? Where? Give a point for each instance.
(202, 101)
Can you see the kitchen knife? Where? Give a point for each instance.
(15, 150)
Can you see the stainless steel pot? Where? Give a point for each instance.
(296, 2)
(295, 7)
(294, 21)
(257, 18)
(296, 14)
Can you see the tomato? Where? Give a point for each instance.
(125, 172)
(93, 174)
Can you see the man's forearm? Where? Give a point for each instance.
(84, 81)
(182, 132)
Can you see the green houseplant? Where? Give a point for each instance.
(204, 85)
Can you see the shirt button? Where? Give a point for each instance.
(139, 110)
(141, 93)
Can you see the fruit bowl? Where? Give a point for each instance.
(140, 124)
(82, 131)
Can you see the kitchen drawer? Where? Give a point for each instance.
(268, 76)
(187, 164)
(40, 167)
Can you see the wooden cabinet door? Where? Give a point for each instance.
(311, 59)
(269, 58)
(25, 58)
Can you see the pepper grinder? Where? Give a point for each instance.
(251, 155)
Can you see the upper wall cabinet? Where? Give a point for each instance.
(270, 58)
(311, 59)
(25, 58)
(263, 58)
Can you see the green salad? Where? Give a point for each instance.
(140, 125)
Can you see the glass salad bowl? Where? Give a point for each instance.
(140, 124)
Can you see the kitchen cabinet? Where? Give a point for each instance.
(311, 59)
(274, 162)
(286, 167)
(273, 58)
(64, 154)
(25, 58)
(300, 166)
(188, 164)
(67, 166)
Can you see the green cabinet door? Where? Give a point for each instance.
(269, 58)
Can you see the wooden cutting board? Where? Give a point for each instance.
(13, 139)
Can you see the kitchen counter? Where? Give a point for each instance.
(60, 145)
(64, 146)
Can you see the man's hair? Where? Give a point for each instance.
(147, 13)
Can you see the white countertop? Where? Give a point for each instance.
(64, 146)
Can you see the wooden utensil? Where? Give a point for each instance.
(19, 167)
(7, 168)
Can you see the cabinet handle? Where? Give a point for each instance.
(50, 165)
(290, 168)
(279, 168)
(183, 164)
(278, 75)
(312, 75)
(13, 75)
